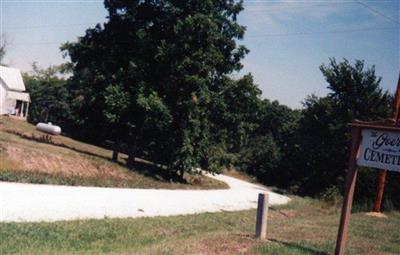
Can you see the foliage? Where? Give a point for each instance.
(264, 130)
(152, 73)
(324, 136)
(306, 150)
(49, 96)
(332, 196)
(253, 130)
(259, 157)
(238, 112)
(281, 123)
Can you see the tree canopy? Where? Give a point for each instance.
(152, 74)
(324, 133)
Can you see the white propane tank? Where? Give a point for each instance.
(48, 128)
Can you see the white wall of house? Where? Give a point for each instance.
(3, 103)
(12, 92)
(7, 105)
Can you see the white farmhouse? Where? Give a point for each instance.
(13, 99)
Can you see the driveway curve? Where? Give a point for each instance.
(36, 202)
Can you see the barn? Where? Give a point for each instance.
(14, 100)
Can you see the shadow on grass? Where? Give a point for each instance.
(48, 139)
(147, 169)
(156, 172)
(298, 248)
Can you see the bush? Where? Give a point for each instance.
(332, 196)
(259, 157)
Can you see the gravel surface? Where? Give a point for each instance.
(35, 202)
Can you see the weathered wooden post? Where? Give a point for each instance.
(349, 192)
(262, 216)
(380, 190)
(382, 173)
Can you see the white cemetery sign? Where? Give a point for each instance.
(380, 149)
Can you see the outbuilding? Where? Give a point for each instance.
(14, 100)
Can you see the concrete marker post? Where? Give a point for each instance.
(262, 216)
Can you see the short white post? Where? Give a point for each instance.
(262, 216)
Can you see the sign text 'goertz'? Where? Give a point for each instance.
(380, 149)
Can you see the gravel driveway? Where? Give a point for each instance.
(33, 202)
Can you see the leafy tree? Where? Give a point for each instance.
(258, 133)
(49, 96)
(168, 62)
(281, 123)
(270, 149)
(234, 117)
(324, 133)
(259, 157)
(240, 112)
(355, 91)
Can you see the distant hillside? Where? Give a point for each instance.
(28, 155)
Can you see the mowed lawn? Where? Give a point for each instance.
(30, 156)
(304, 226)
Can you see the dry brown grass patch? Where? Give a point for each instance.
(28, 155)
(47, 162)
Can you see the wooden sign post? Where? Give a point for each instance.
(373, 145)
(382, 173)
(349, 192)
(376, 145)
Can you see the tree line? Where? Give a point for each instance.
(157, 76)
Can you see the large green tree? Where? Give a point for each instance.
(324, 133)
(152, 74)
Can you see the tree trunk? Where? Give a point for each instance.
(115, 155)
(116, 148)
(181, 174)
(133, 148)
(131, 156)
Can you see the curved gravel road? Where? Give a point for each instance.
(35, 202)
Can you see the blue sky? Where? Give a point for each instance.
(288, 40)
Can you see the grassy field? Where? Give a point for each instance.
(304, 226)
(28, 155)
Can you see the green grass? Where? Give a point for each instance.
(39, 158)
(304, 226)
(60, 179)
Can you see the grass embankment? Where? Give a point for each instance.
(28, 155)
(240, 175)
(304, 226)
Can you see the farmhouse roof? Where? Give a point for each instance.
(12, 78)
